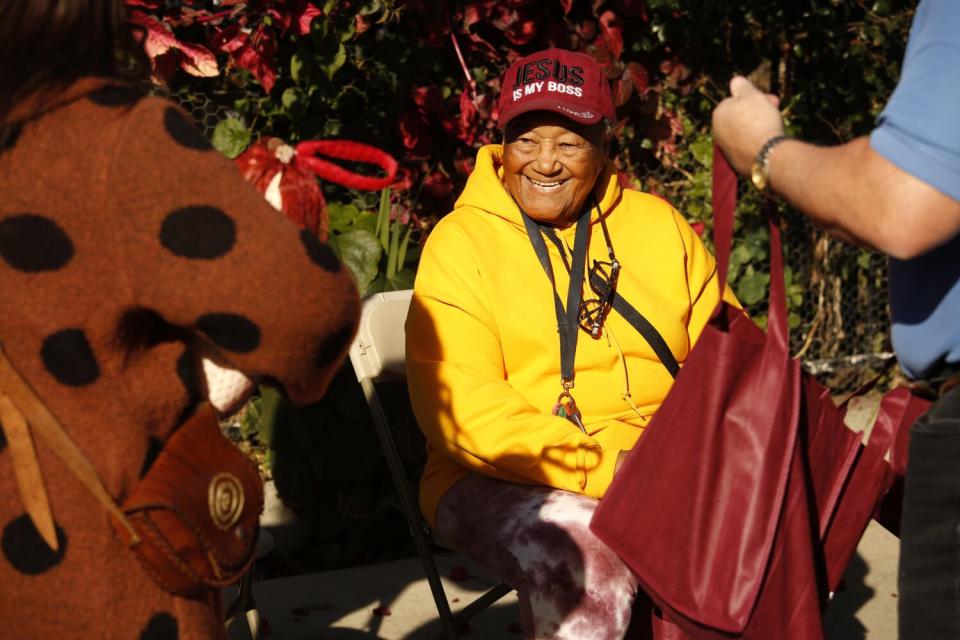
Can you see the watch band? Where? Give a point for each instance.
(760, 172)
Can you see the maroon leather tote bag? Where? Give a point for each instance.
(743, 476)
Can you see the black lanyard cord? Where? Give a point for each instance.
(623, 307)
(566, 317)
(644, 328)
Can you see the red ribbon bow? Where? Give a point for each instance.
(296, 192)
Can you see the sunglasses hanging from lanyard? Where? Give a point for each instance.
(589, 314)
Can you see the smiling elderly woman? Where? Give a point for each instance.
(551, 310)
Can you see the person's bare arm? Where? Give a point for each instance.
(850, 189)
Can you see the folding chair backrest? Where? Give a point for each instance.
(378, 350)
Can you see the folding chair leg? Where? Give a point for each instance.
(481, 603)
(244, 603)
(410, 509)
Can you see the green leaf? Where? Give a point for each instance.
(404, 243)
(394, 252)
(298, 64)
(383, 218)
(702, 150)
(331, 128)
(752, 286)
(361, 252)
(339, 58)
(367, 220)
(343, 217)
(294, 102)
(402, 279)
(349, 31)
(231, 137)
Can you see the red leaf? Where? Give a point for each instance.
(229, 39)
(469, 118)
(404, 179)
(428, 99)
(675, 71)
(472, 14)
(612, 29)
(587, 30)
(414, 131)
(567, 5)
(362, 24)
(625, 180)
(281, 19)
(258, 55)
(638, 76)
(676, 122)
(439, 187)
(193, 58)
(381, 611)
(698, 228)
(304, 15)
(464, 164)
(518, 28)
(604, 57)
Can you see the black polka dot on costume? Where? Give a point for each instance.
(183, 132)
(68, 357)
(230, 331)
(333, 345)
(154, 447)
(115, 96)
(12, 136)
(26, 551)
(321, 254)
(33, 243)
(199, 233)
(162, 626)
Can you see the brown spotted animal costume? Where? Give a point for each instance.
(127, 245)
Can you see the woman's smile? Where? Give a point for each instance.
(551, 165)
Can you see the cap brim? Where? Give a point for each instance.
(568, 109)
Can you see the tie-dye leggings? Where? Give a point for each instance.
(538, 540)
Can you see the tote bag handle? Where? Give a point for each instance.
(724, 205)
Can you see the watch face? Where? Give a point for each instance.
(758, 177)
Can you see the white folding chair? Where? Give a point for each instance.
(378, 353)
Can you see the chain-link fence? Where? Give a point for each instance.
(205, 110)
(843, 331)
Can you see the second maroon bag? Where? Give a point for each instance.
(744, 500)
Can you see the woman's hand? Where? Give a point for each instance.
(620, 458)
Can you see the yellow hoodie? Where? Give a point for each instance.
(483, 350)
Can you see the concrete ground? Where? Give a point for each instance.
(392, 601)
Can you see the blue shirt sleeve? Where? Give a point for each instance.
(919, 129)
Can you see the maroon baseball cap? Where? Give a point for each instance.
(565, 82)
